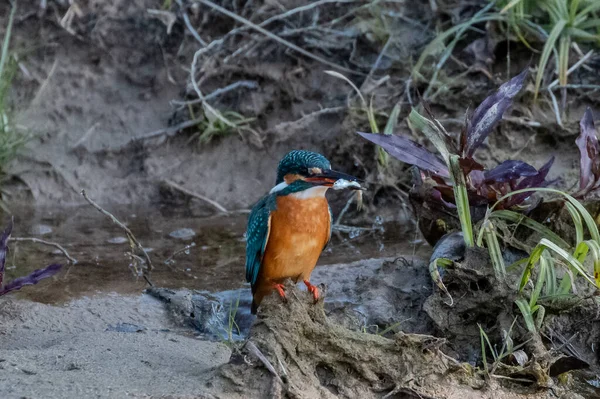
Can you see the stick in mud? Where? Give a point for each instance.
(44, 242)
(133, 242)
(192, 194)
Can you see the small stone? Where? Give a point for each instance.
(183, 233)
(41, 229)
(117, 240)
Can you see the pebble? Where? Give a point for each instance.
(183, 233)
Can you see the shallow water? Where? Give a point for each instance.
(213, 262)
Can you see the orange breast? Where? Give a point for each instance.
(299, 232)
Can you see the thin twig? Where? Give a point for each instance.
(133, 242)
(573, 68)
(169, 130)
(344, 210)
(201, 197)
(188, 24)
(259, 355)
(276, 38)
(248, 84)
(184, 249)
(44, 242)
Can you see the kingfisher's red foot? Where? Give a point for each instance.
(279, 288)
(313, 290)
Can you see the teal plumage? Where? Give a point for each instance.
(273, 252)
(258, 228)
(256, 236)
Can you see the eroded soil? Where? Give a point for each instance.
(95, 90)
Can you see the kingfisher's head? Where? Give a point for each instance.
(308, 169)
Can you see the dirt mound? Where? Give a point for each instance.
(312, 357)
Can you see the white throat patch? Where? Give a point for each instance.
(313, 192)
(278, 187)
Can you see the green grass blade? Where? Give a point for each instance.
(462, 200)
(6, 43)
(533, 259)
(431, 131)
(459, 30)
(577, 223)
(542, 274)
(583, 14)
(483, 337)
(587, 218)
(539, 317)
(550, 287)
(510, 5)
(392, 120)
(548, 47)
(528, 222)
(494, 249)
(437, 278)
(563, 59)
(527, 315)
(570, 259)
(594, 248)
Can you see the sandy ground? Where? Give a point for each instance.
(73, 351)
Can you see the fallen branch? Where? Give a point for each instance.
(44, 242)
(192, 194)
(133, 242)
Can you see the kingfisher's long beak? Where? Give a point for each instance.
(329, 177)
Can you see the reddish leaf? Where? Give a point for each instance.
(509, 170)
(20, 282)
(408, 151)
(490, 112)
(30, 279)
(538, 180)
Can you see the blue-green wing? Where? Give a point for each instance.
(257, 235)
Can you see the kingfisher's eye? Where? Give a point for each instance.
(314, 171)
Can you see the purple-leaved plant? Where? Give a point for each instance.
(20, 282)
(589, 155)
(483, 186)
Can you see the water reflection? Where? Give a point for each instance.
(203, 253)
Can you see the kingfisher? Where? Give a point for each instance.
(290, 226)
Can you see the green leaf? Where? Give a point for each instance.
(587, 218)
(533, 259)
(527, 315)
(528, 222)
(437, 278)
(432, 132)
(548, 47)
(577, 223)
(392, 120)
(462, 200)
(6, 43)
(542, 274)
(494, 249)
(570, 259)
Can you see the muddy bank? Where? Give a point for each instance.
(108, 347)
(90, 86)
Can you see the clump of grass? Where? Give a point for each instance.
(212, 127)
(558, 24)
(11, 137)
(232, 324)
(561, 22)
(457, 180)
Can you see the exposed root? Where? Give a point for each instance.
(322, 359)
